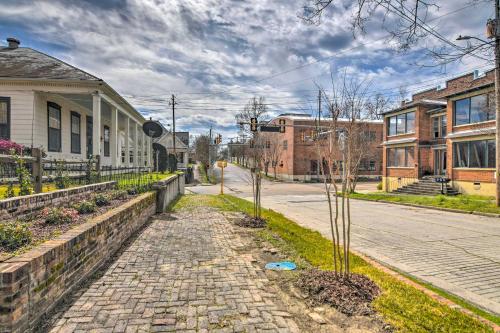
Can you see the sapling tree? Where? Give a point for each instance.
(255, 108)
(343, 140)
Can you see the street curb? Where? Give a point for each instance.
(441, 299)
(432, 207)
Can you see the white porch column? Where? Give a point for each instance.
(143, 148)
(114, 137)
(149, 151)
(96, 124)
(136, 145)
(186, 158)
(127, 141)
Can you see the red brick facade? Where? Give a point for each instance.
(299, 160)
(438, 103)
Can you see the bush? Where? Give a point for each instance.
(14, 235)
(59, 215)
(379, 186)
(85, 207)
(101, 200)
(119, 195)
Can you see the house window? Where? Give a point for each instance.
(75, 133)
(367, 165)
(474, 154)
(401, 124)
(54, 127)
(439, 127)
(400, 157)
(314, 166)
(106, 141)
(5, 118)
(474, 109)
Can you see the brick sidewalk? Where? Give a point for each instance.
(182, 273)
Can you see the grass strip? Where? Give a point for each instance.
(403, 306)
(466, 203)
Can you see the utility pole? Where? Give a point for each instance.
(318, 166)
(173, 103)
(497, 99)
(210, 151)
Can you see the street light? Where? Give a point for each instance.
(460, 37)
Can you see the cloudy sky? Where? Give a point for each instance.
(216, 54)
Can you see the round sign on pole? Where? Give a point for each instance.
(152, 129)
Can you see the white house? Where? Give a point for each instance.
(71, 114)
(181, 147)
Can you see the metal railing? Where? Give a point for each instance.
(42, 174)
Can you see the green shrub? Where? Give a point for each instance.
(379, 186)
(14, 235)
(59, 215)
(85, 207)
(62, 178)
(101, 200)
(119, 195)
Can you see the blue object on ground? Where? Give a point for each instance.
(281, 266)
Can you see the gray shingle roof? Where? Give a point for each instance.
(26, 63)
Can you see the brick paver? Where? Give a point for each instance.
(183, 273)
(459, 253)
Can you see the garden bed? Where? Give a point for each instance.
(17, 236)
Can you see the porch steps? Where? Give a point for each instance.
(425, 186)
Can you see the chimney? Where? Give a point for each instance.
(13, 43)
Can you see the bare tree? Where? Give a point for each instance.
(255, 108)
(201, 146)
(410, 23)
(343, 140)
(272, 151)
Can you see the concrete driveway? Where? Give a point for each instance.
(459, 253)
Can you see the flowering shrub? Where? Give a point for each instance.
(13, 235)
(6, 146)
(58, 215)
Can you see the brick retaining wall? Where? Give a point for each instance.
(27, 204)
(32, 283)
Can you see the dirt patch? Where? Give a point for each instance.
(351, 296)
(309, 316)
(250, 222)
(42, 231)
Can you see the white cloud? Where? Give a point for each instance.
(159, 47)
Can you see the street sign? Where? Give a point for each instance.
(222, 164)
(270, 128)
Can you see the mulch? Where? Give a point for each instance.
(251, 222)
(41, 231)
(352, 296)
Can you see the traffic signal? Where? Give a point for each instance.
(253, 124)
(219, 138)
(282, 125)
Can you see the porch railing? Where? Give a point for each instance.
(50, 174)
(399, 182)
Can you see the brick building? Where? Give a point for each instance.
(445, 131)
(299, 156)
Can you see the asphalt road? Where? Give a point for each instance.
(459, 253)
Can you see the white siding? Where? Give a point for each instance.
(21, 115)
